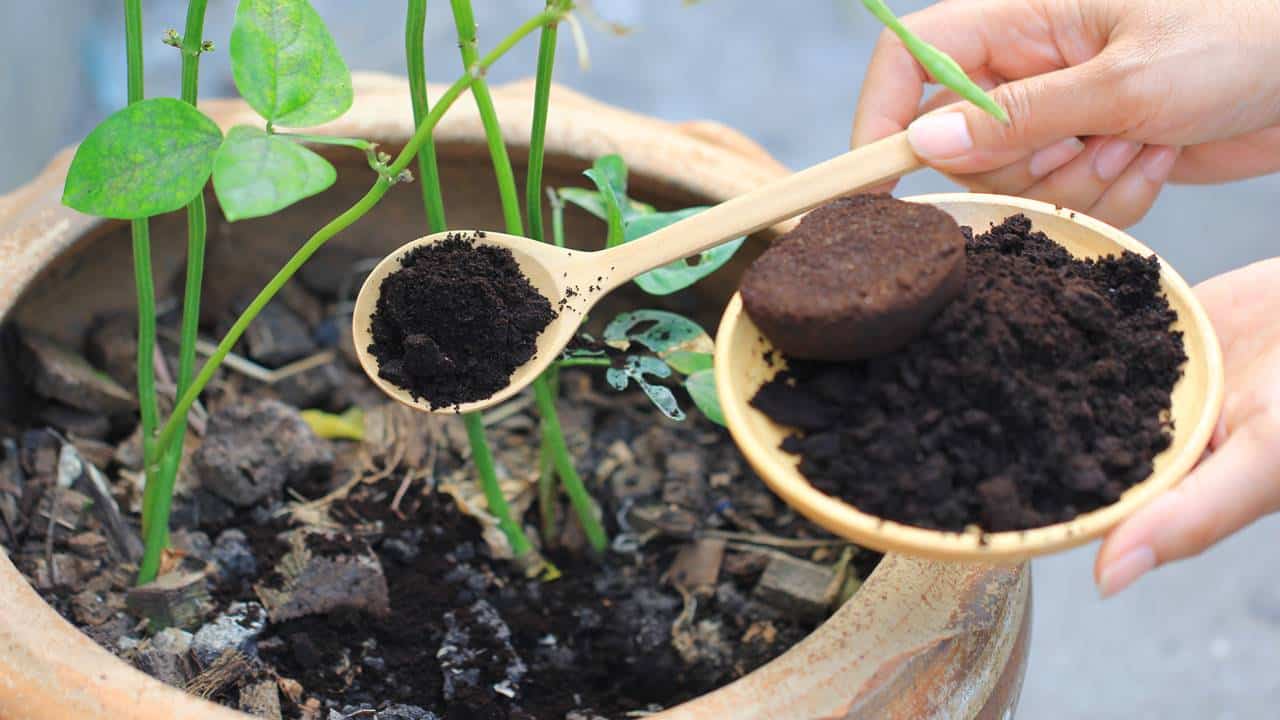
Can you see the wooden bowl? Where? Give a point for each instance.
(741, 369)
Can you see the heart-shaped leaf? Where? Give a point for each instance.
(257, 174)
(679, 274)
(702, 388)
(150, 158)
(286, 64)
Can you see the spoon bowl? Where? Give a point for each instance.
(741, 368)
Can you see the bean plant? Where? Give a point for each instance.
(156, 155)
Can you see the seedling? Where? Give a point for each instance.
(157, 155)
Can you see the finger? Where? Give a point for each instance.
(1229, 490)
(1251, 155)
(1135, 191)
(1080, 183)
(1086, 99)
(1017, 178)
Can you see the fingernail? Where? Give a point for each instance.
(1158, 163)
(1113, 158)
(941, 136)
(1120, 574)
(1046, 160)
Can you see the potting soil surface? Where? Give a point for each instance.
(455, 321)
(1040, 393)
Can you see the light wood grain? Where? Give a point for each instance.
(741, 369)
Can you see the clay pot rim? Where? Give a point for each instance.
(864, 652)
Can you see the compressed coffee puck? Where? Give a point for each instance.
(858, 277)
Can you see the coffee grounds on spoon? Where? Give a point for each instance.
(1037, 395)
(455, 321)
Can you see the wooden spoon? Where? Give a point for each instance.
(582, 278)
(741, 368)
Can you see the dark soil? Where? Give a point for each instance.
(1039, 394)
(455, 321)
(858, 277)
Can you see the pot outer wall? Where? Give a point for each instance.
(921, 639)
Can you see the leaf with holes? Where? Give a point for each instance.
(659, 331)
(286, 64)
(635, 370)
(257, 174)
(679, 274)
(150, 158)
(702, 388)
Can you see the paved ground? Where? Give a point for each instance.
(1199, 640)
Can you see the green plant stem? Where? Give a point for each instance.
(428, 171)
(483, 460)
(547, 499)
(573, 487)
(584, 362)
(156, 515)
(538, 134)
(466, 23)
(143, 280)
(340, 223)
(433, 203)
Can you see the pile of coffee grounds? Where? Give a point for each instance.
(455, 321)
(858, 277)
(1041, 393)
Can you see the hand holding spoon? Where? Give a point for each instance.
(580, 279)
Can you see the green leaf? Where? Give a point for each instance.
(702, 388)
(944, 69)
(637, 367)
(658, 330)
(679, 274)
(150, 158)
(688, 362)
(257, 174)
(604, 178)
(591, 201)
(286, 64)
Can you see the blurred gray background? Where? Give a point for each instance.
(1198, 640)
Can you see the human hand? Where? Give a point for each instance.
(1107, 99)
(1239, 481)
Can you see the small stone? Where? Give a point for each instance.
(278, 336)
(665, 520)
(236, 629)
(324, 572)
(253, 449)
(261, 699)
(476, 656)
(176, 599)
(310, 388)
(90, 608)
(59, 374)
(193, 543)
(406, 712)
(90, 545)
(686, 465)
(400, 550)
(797, 587)
(93, 426)
(112, 345)
(166, 657)
(233, 555)
(697, 566)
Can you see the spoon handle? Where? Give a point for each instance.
(763, 207)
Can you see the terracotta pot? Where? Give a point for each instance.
(920, 640)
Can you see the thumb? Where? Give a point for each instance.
(1081, 100)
